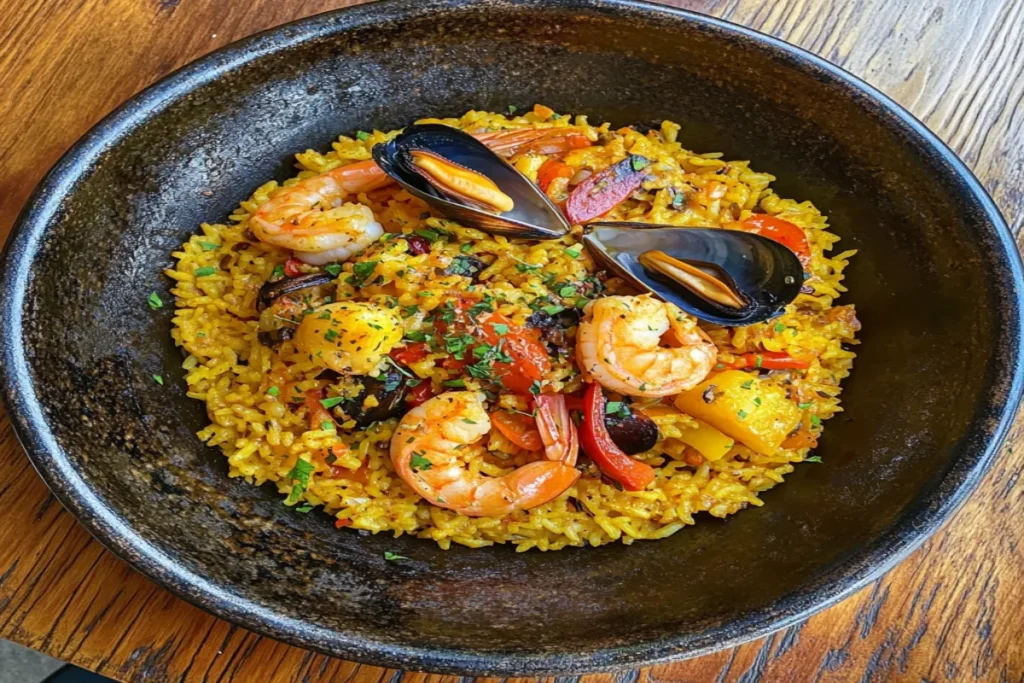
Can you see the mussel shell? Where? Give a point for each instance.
(271, 291)
(766, 274)
(534, 215)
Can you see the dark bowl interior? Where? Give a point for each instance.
(936, 283)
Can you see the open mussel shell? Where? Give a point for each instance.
(532, 215)
(726, 277)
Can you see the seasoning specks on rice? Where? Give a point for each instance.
(306, 386)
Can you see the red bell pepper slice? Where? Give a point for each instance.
(413, 353)
(550, 170)
(768, 360)
(602, 192)
(783, 232)
(597, 443)
(419, 394)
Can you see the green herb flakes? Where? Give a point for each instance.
(742, 414)
(273, 391)
(757, 400)
(813, 458)
(455, 383)
(638, 162)
(331, 335)
(300, 474)
(304, 509)
(155, 301)
(500, 329)
(327, 426)
(205, 271)
(363, 270)
(429, 234)
(815, 420)
(419, 464)
(329, 403)
(805, 406)
(567, 291)
(158, 379)
(535, 388)
(511, 109)
(393, 557)
(749, 383)
(553, 310)
(277, 272)
(779, 327)
(332, 269)
(758, 361)
(362, 136)
(208, 246)
(573, 252)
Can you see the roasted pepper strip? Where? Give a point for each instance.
(785, 233)
(602, 192)
(598, 445)
(768, 360)
(550, 170)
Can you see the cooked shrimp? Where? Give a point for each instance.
(312, 219)
(620, 345)
(425, 451)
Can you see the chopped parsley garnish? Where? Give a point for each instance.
(331, 402)
(758, 360)
(574, 252)
(417, 336)
(278, 271)
(362, 136)
(535, 388)
(500, 329)
(465, 248)
(779, 327)
(331, 335)
(457, 383)
(553, 310)
(155, 301)
(813, 458)
(273, 391)
(465, 266)
(757, 400)
(327, 426)
(158, 379)
(333, 269)
(805, 406)
(485, 306)
(393, 557)
(638, 162)
(815, 420)
(208, 246)
(205, 271)
(447, 314)
(512, 109)
(524, 267)
(742, 414)
(419, 463)
(468, 421)
(456, 344)
(429, 234)
(616, 407)
(300, 474)
(363, 270)
(304, 509)
(567, 291)
(413, 382)
(749, 383)
(409, 311)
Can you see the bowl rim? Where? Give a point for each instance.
(55, 468)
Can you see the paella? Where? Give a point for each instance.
(515, 328)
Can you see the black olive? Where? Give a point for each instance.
(631, 430)
(278, 288)
(389, 390)
(274, 337)
(467, 266)
(417, 245)
(555, 327)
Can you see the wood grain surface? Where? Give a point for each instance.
(953, 611)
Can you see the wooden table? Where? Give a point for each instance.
(953, 611)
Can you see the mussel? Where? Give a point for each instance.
(727, 277)
(468, 183)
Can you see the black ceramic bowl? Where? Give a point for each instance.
(936, 283)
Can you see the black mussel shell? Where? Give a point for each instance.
(278, 288)
(764, 274)
(389, 390)
(534, 216)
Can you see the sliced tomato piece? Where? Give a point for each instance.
(419, 394)
(412, 353)
(769, 360)
(518, 428)
(530, 360)
(785, 233)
